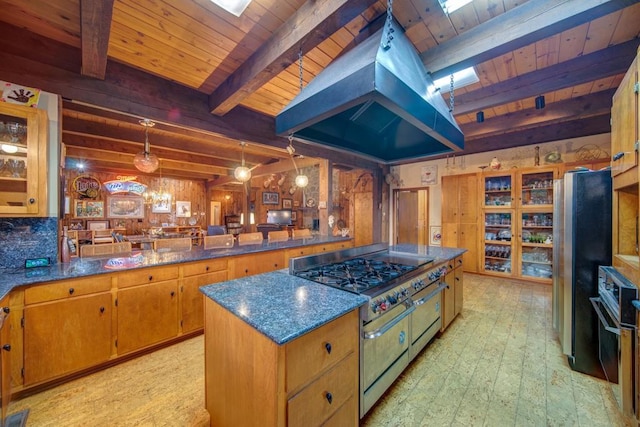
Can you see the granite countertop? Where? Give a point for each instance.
(284, 307)
(280, 306)
(80, 267)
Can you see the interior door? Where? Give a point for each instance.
(411, 216)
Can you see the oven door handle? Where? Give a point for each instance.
(603, 320)
(380, 331)
(422, 300)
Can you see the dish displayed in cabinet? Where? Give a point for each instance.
(537, 189)
(497, 245)
(497, 191)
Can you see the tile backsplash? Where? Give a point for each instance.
(22, 238)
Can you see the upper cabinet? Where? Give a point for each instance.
(536, 188)
(625, 127)
(23, 161)
(498, 190)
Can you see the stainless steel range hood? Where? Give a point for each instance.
(376, 102)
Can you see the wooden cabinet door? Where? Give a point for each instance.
(192, 307)
(66, 336)
(147, 314)
(257, 263)
(468, 202)
(449, 199)
(448, 301)
(468, 239)
(624, 122)
(458, 290)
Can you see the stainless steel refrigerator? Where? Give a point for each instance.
(581, 243)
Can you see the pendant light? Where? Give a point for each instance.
(145, 161)
(242, 173)
(301, 180)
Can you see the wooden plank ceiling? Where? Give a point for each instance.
(210, 79)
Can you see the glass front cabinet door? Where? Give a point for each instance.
(536, 189)
(23, 160)
(498, 190)
(536, 240)
(498, 248)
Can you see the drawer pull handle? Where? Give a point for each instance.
(172, 294)
(457, 279)
(6, 309)
(206, 268)
(32, 201)
(328, 347)
(150, 277)
(329, 397)
(71, 291)
(6, 347)
(101, 309)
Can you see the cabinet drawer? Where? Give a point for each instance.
(329, 247)
(204, 267)
(325, 396)
(146, 275)
(458, 261)
(67, 289)
(314, 352)
(261, 262)
(301, 251)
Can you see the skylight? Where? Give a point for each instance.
(233, 6)
(450, 6)
(461, 78)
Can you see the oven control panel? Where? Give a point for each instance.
(428, 278)
(389, 300)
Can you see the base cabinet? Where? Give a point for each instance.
(147, 314)
(452, 295)
(66, 336)
(301, 383)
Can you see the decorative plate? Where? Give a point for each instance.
(311, 202)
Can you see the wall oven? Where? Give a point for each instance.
(616, 330)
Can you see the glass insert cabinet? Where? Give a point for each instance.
(497, 242)
(23, 160)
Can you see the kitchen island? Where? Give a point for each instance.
(282, 350)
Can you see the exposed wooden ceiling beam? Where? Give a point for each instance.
(518, 27)
(95, 26)
(596, 104)
(603, 63)
(555, 132)
(311, 24)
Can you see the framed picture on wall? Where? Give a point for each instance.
(287, 203)
(183, 209)
(162, 205)
(88, 209)
(270, 198)
(125, 207)
(294, 216)
(435, 235)
(76, 224)
(97, 225)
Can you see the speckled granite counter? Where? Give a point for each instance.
(302, 305)
(13, 277)
(281, 306)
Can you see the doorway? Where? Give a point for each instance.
(411, 220)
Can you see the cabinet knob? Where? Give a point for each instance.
(71, 291)
(101, 309)
(329, 397)
(246, 270)
(206, 268)
(32, 201)
(172, 294)
(6, 309)
(448, 287)
(150, 277)
(328, 347)
(457, 279)
(6, 347)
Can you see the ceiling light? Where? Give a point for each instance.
(540, 102)
(242, 173)
(480, 116)
(9, 148)
(461, 78)
(144, 161)
(450, 6)
(235, 7)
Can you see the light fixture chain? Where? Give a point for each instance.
(451, 103)
(388, 23)
(300, 69)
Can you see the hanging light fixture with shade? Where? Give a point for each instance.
(242, 173)
(301, 179)
(145, 161)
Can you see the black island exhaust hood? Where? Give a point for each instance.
(378, 103)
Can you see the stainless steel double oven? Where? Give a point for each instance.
(616, 334)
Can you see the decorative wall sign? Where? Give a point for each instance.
(270, 198)
(287, 203)
(86, 187)
(183, 209)
(125, 184)
(429, 175)
(97, 225)
(88, 209)
(16, 94)
(435, 235)
(125, 207)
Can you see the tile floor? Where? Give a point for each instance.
(499, 364)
